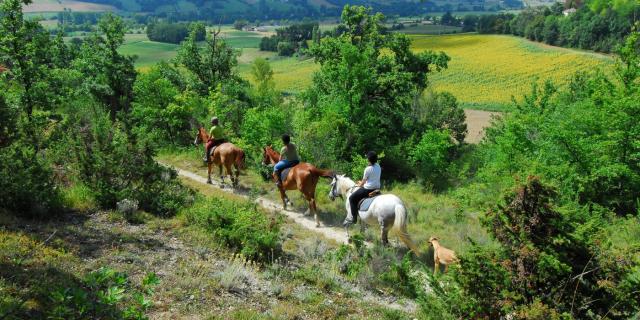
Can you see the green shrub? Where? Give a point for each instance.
(238, 225)
(101, 295)
(115, 166)
(432, 156)
(27, 186)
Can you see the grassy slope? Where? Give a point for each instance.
(199, 278)
(430, 214)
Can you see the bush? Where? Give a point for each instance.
(431, 157)
(27, 187)
(286, 49)
(115, 166)
(101, 293)
(238, 225)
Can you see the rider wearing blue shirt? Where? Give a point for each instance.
(369, 183)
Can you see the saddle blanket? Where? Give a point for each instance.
(365, 203)
(284, 174)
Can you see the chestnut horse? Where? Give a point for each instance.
(303, 177)
(226, 154)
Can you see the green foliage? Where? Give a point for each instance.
(170, 32)
(551, 263)
(600, 25)
(102, 292)
(238, 225)
(109, 75)
(432, 156)
(27, 187)
(366, 96)
(440, 110)
(212, 65)
(162, 111)
(116, 166)
(240, 24)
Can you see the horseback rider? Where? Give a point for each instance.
(288, 158)
(370, 182)
(216, 137)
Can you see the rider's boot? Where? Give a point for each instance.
(276, 176)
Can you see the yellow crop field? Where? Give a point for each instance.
(485, 71)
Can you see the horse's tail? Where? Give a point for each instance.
(323, 173)
(240, 163)
(400, 224)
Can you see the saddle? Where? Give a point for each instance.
(214, 148)
(285, 173)
(365, 203)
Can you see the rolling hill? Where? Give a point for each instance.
(229, 10)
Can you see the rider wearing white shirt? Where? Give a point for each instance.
(370, 182)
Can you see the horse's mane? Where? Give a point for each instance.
(345, 182)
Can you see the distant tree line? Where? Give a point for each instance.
(77, 21)
(289, 40)
(592, 26)
(173, 32)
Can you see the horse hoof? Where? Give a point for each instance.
(317, 225)
(209, 182)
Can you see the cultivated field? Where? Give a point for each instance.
(485, 71)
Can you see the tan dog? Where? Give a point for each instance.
(441, 255)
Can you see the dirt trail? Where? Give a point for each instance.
(477, 121)
(335, 234)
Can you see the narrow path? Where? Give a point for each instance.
(335, 234)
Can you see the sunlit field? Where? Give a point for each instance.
(485, 71)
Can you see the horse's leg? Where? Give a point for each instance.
(235, 165)
(384, 234)
(209, 165)
(435, 265)
(312, 207)
(227, 167)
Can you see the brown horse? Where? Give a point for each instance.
(226, 154)
(303, 177)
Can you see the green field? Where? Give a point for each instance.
(485, 71)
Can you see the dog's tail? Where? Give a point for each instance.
(400, 223)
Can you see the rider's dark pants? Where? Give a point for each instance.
(213, 143)
(354, 198)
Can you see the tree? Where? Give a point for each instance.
(212, 65)
(362, 93)
(240, 24)
(24, 50)
(262, 74)
(110, 75)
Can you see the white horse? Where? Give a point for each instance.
(386, 210)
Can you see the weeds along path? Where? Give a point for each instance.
(335, 234)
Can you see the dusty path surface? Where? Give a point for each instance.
(477, 121)
(307, 222)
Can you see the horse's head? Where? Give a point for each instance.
(199, 137)
(267, 156)
(335, 190)
(432, 239)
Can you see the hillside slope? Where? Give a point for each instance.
(229, 10)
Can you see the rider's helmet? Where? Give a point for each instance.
(214, 120)
(372, 157)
